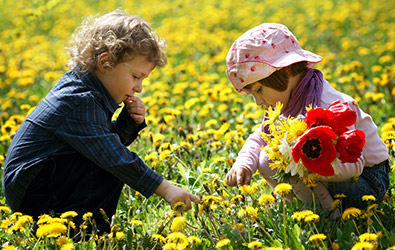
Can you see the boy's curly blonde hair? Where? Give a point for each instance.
(121, 35)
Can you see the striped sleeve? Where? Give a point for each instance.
(88, 131)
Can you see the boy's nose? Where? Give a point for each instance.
(139, 87)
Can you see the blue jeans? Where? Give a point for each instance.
(73, 183)
(373, 181)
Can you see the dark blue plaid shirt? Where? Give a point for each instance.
(76, 116)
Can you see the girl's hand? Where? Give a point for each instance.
(238, 176)
(173, 194)
(136, 108)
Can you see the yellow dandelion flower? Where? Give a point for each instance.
(5, 209)
(336, 203)
(273, 114)
(362, 246)
(68, 214)
(316, 237)
(372, 207)
(158, 238)
(120, 235)
(179, 206)
(178, 224)
(368, 198)
(254, 244)
(170, 246)
(273, 248)
(300, 215)
(178, 238)
(339, 196)
(368, 237)
(312, 217)
(253, 212)
(283, 189)
(335, 246)
(211, 201)
(266, 199)
(68, 246)
(164, 154)
(351, 212)
(206, 170)
(62, 240)
(9, 248)
(4, 223)
(15, 216)
(222, 243)
(21, 223)
(246, 189)
(51, 230)
(238, 198)
(242, 213)
(262, 182)
(194, 239)
(87, 216)
(136, 222)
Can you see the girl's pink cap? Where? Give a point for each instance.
(261, 51)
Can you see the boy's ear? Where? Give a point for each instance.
(104, 61)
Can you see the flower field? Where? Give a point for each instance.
(197, 122)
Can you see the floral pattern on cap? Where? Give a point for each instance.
(262, 50)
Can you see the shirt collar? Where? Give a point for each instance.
(90, 80)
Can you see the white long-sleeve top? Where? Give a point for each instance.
(374, 151)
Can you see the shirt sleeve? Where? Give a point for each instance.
(251, 150)
(127, 128)
(374, 150)
(87, 130)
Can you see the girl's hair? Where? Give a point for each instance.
(121, 35)
(279, 79)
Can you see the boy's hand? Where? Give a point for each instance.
(136, 108)
(173, 194)
(238, 176)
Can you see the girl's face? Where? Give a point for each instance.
(267, 96)
(125, 78)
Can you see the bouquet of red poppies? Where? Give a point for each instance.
(314, 143)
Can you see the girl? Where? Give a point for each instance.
(268, 63)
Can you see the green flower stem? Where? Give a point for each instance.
(312, 193)
(214, 226)
(355, 225)
(284, 222)
(264, 230)
(238, 231)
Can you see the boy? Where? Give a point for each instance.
(68, 155)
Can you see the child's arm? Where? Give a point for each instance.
(347, 171)
(173, 194)
(247, 160)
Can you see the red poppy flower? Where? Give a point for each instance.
(343, 116)
(316, 150)
(317, 117)
(350, 144)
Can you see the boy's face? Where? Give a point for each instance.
(125, 78)
(267, 96)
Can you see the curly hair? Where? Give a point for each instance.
(121, 35)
